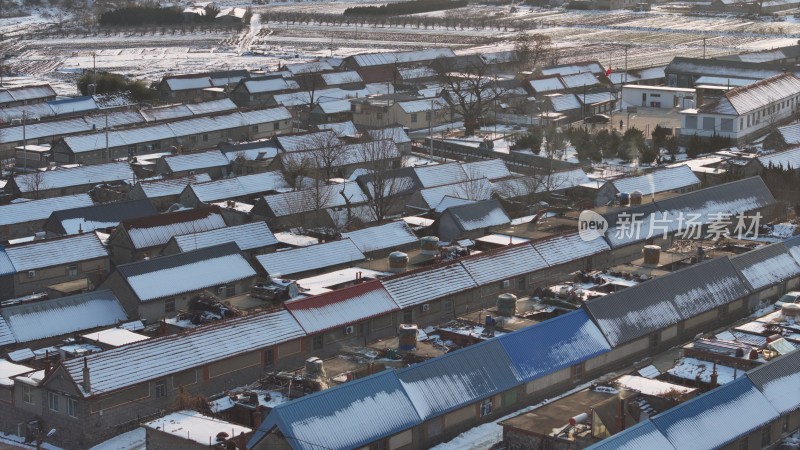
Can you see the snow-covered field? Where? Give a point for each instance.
(39, 50)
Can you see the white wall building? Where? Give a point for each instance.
(745, 112)
(658, 96)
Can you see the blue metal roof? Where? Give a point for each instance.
(717, 417)
(552, 345)
(459, 378)
(348, 416)
(6, 266)
(643, 435)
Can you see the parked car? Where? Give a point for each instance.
(597, 118)
(789, 297)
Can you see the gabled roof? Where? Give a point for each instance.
(690, 424)
(195, 161)
(23, 93)
(274, 84)
(478, 215)
(248, 236)
(396, 134)
(245, 185)
(31, 321)
(341, 307)
(308, 67)
(785, 159)
(554, 344)
(350, 409)
(793, 245)
(387, 236)
(503, 264)
(342, 129)
(132, 364)
(310, 258)
(580, 79)
(564, 102)
(480, 189)
(746, 99)
(493, 169)
(307, 141)
(191, 271)
(40, 209)
(170, 186)
(640, 436)
(157, 230)
(663, 180)
(767, 266)
(6, 266)
(656, 304)
(54, 252)
(337, 78)
(380, 59)
(104, 215)
(427, 284)
(74, 176)
(568, 69)
(777, 380)
(563, 249)
(188, 82)
(328, 196)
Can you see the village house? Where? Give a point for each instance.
(307, 207)
(248, 158)
(380, 67)
(404, 112)
(39, 264)
(145, 237)
(311, 260)
(199, 87)
(26, 95)
(188, 430)
(678, 179)
(684, 71)
(104, 216)
(212, 162)
(190, 134)
(380, 240)
(246, 188)
(328, 111)
(253, 239)
(163, 193)
(259, 91)
(221, 270)
(470, 220)
(67, 181)
(24, 219)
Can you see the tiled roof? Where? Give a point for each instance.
(157, 230)
(310, 258)
(242, 186)
(104, 215)
(196, 161)
(506, 264)
(663, 180)
(171, 186)
(54, 252)
(75, 176)
(247, 237)
(425, 285)
(388, 236)
(40, 209)
(563, 249)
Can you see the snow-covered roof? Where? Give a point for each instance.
(196, 161)
(387, 236)
(277, 84)
(26, 93)
(341, 307)
(310, 258)
(380, 59)
(242, 186)
(194, 426)
(524, 185)
(337, 78)
(8, 370)
(663, 180)
(650, 386)
(569, 69)
(745, 99)
(171, 186)
(578, 80)
(342, 218)
(478, 215)
(503, 264)
(328, 196)
(449, 202)
(396, 134)
(74, 125)
(424, 105)
(597, 97)
(777, 379)
(211, 106)
(640, 436)
(563, 249)
(115, 337)
(157, 230)
(54, 252)
(786, 159)
(31, 321)
(308, 67)
(342, 129)
(715, 419)
(295, 240)
(441, 174)
(564, 102)
(480, 189)
(74, 176)
(248, 236)
(103, 215)
(308, 141)
(424, 285)
(334, 106)
(184, 83)
(767, 266)
(186, 272)
(129, 365)
(416, 73)
(40, 209)
(493, 169)
(6, 266)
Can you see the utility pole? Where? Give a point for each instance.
(430, 128)
(24, 142)
(108, 153)
(704, 48)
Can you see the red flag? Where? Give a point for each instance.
(608, 71)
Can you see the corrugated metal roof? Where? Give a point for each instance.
(503, 264)
(564, 249)
(345, 417)
(247, 237)
(440, 174)
(786, 159)
(38, 320)
(269, 85)
(104, 215)
(552, 345)
(75, 176)
(480, 189)
(55, 252)
(309, 258)
(643, 435)
(664, 301)
(577, 80)
(341, 307)
(157, 230)
(493, 169)
(424, 285)
(793, 245)
(387, 236)
(6, 266)
(716, 418)
(155, 358)
(380, 59)
(336, 78)
(459, 378)
(186, 272)
(171, 186)
(195, 161)
(767, 266)
(6, 336)
(328, 196)
(21, 93)
(745, 99)
(240, 186)
(779, 381)
(479, 215)
(663, 180)
(40, 209)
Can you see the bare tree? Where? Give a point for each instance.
(385, 183)
(532, 49)
(328, 153)
(33, 184)
(309, 82)
(471, 91)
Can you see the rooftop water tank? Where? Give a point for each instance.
(506, 305)
(398, 262)
(408, 337)
(636, 198)
(429, 245)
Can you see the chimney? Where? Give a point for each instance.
(87, 384)
(256, 418)
(241, 440)
(714, 376)
(621, 416)
(47, 367)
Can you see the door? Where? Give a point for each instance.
(644, 99)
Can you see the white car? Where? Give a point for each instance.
(789, 297)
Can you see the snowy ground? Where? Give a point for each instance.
(40, 51)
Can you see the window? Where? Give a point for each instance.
(505, 284)
(317, 343)
(577, 372)
(741, 123)
(743, 444)
(766, 439)
(169, 305)
(413, 118)
(709, 123)
(408, 316)
(131, 150)
(428, 116)
(655, 95)
(448, 306)
(72, 270)
(276, 126)
(269, 357)
(161, 389)
(194, 139)
(486, 407)
(52, 401)
(27, 395)
(205, 138)
(255, 128)
(655, 340)
(521, 283)
(72, 407)
(230, 289)
(785, 424)
(379, 116)
(691, 122)
(726, 125)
